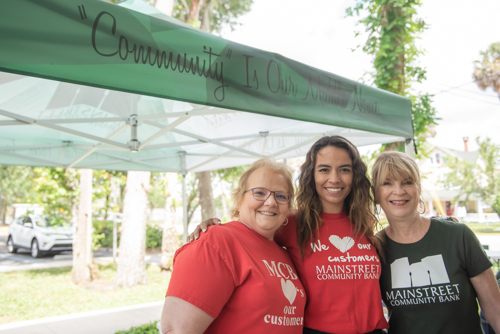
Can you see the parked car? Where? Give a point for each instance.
(37, 234)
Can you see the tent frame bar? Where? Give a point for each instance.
(28, 120)
(92, 150)
(30, 158)
(190, 113)
(165, 129)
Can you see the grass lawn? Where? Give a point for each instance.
(494, 228)
(42, 293)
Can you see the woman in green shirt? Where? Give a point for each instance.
(434, 271)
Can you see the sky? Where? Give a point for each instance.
(317, 33)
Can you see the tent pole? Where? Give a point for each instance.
(184, 196)
(410, 147)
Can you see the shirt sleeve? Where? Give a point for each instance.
(201, 277)
(476, 259)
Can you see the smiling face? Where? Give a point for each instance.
(333, 175)
(397, 186)
(265, 217)
(399, 198)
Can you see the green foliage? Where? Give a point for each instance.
(192, 195)
(144, 329)
(103, 235)
(424, 117)
(16, 184)
(157, 193)
(159, 184)
(56, 220)
(58, 190)
(481, 178)
(103, 182)
(220, 13)
(229, 175)
(492, 228)
(224, 177)
(154, 235)
(393, 27)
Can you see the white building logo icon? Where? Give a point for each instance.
(430, 271)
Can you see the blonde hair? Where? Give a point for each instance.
(395, 164)
(269, 164)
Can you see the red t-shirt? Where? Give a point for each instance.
(244, 281)
(341, 276)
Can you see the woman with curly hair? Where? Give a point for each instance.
(331, 241)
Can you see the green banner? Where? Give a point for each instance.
(99, 44)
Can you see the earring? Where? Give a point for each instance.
(285, 224)
(378, 209)
(422, 204)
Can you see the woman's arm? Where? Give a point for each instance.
(488, 294)
(179, 316)
(202, 227)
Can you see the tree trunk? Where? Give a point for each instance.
(170, 239)
(224, 206)
(165, 6)
(194, 12)
(84, 269)
(106, 206)
(205, 22)
(389, 13)
(131, 265)
(393, 146)
(206, 195)
(3, 209)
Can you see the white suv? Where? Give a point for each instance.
(36, 234)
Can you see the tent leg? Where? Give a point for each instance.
(184, 197)
(184, 208)
(410, 147)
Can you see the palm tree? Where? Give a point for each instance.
(487, 71)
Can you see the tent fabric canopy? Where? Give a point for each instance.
(89, 84)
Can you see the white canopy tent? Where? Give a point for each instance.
(62, 107)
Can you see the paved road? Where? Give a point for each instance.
(96, 322)
(22, 260)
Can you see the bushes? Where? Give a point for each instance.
(103, 235)
(144, 329)
(154, 235)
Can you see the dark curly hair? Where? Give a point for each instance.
(357, 205)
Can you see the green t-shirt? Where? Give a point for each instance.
(426, 285)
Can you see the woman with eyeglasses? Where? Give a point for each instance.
(331, 241)
(235, 278)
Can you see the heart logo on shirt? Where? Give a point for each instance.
(343, 244)
(289, 290)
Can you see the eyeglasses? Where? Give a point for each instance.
(262, 194)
